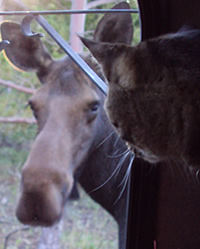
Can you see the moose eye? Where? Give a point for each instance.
(94, 107)
(92, 111)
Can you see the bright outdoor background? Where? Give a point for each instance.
(85, 225)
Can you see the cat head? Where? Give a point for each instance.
(148, 86)
(117, 61)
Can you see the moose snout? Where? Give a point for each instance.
(35, 208)
(42, 198)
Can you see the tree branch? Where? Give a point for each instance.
(50, 237)
(17, 87)
(20, 4)
(6, 222)
(18, 120)
(13, 232)
(99, 2)
(77, 25)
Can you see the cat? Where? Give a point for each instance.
(154, 94)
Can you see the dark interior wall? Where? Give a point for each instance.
(163, 16)
(164, 210)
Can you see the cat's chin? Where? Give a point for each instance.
(145, 155)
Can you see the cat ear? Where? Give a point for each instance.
(105, 53)
(98, 49)
(115, 61)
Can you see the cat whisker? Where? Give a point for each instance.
(117, 139)
(104, 140)
(117, 151)
(121, 162)
(118, 155)
(169, 164)
(152, 167)
(125, 179)
(124, 155)
(190, 174)
(127, 173)
(118, 167)
(182, 170)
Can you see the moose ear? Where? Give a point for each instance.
(25, 53)
(115, 27)
(3, 44)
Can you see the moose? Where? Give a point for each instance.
(75, 138)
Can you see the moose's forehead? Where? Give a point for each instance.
(64, 77)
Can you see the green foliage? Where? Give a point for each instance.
(12, 102)
(85, 215)
(15, 143)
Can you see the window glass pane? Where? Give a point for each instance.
(85, 223)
